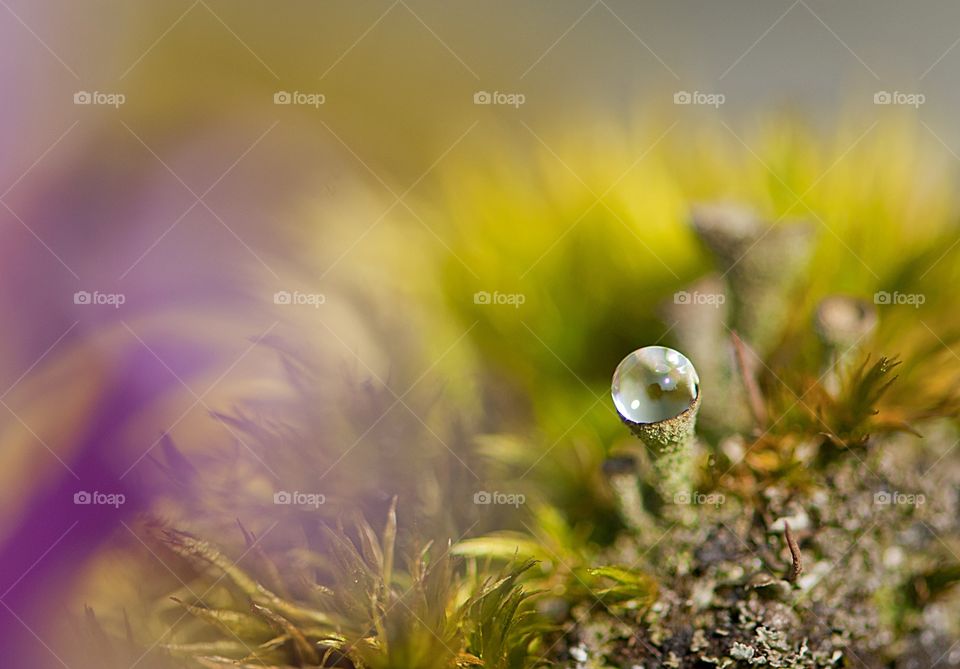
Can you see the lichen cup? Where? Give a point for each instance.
(656, 391)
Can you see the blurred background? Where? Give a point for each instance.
(479, 201)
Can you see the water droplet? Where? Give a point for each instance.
(654, 383)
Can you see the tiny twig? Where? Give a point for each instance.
(754, 396)
(794, 553)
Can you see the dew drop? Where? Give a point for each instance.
(654, 383)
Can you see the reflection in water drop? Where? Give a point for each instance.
(654, 383)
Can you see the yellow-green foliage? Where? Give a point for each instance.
(590, 225)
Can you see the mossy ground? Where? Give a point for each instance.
(873, 534)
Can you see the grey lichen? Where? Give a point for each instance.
(760, 262)
(671, 442)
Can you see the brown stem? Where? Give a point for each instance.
(794, 553)
(754, 396)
